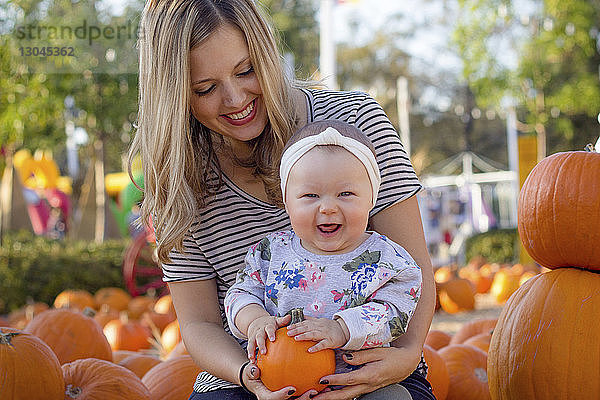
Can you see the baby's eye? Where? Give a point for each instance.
(311, 195)
(343, 194)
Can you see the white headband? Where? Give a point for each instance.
(330, 136)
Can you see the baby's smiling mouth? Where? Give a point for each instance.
(329, 228)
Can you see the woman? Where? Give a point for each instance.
(215, 112)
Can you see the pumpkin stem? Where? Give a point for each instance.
(89, 312)
(297, 315)
(590, 148)
(5, 338)
(73, 392)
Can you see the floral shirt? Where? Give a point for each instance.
(374, 289)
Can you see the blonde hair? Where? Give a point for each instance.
(176, 150)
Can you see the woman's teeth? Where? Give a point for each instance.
(242, 114)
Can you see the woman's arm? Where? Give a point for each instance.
(383, 366)
(402, 223)
(199, 316)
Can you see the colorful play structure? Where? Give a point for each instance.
(46, 193)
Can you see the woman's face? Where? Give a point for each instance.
(226, 96)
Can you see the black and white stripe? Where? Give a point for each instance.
(232, 221)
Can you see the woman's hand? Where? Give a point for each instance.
(382, 366)
(251, 378)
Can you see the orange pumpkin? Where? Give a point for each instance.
(288, 362)
(481, 341)
(139, 305)
(177, 351)
(105, 315)
(139, 363)
(437, 372)
(437, 339)
(467, 368)
(71, 334)
(472, 328)
(116, 298)
(171, 335)
(504, 285)
(74, 298)
(164, 305)
(172, 379)
(457, 295)
(22, 316)
(546, 343)
(29, 369)
(126, 334)
(93, 379)
(558, 215)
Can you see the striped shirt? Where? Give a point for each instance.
(232, 221)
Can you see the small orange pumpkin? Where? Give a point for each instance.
(288, 362)
(481, 341)
(170, 336)
(437, 339)
(71, 334)
(74, 298)
(139, 363)
(116, 298)
(29, 369)
(457, 295)
(558, 215)
(93, 379)
(467, 367)
(172, 379)
(437, 372)
(126, 334)
(472, 328)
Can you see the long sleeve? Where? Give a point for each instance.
(249, 287)
(386, 313)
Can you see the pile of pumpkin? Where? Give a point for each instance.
(457, 364)
(546, 343)
(102, 346)
(459, 287)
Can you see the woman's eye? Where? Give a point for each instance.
(247, 72)
(204, 92)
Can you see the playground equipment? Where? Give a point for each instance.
(141, 271)
(45, 191)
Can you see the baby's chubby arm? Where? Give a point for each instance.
(328, 333)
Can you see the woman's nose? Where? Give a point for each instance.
(233, 95)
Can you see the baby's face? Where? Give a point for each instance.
(328, 199)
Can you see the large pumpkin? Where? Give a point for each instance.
(28, 368)
(546, 343)
(288, 362)
(467, 369)
(558, 216)
(71, 334)
(93, 379)
(74, 298)
(172, 379)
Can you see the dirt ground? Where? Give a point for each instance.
(485, 307)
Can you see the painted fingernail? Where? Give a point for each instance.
(310, 396)
(324, 382)
(349, 356)
(291, 392)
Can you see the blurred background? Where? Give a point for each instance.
(479, 91)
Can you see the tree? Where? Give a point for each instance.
(554, 79)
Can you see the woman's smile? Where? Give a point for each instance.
(242, 117)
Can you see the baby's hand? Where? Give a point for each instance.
(328, 333)
(259, 330)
